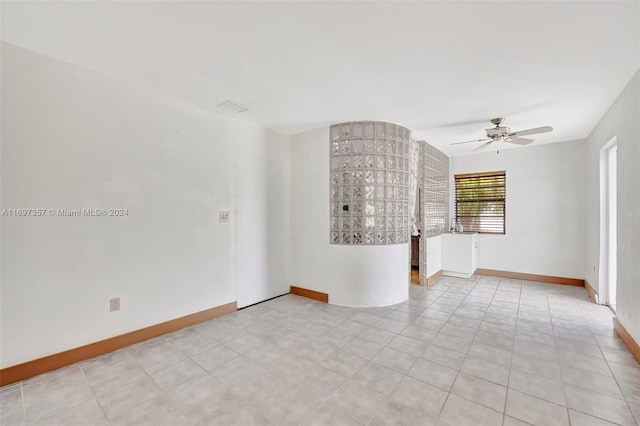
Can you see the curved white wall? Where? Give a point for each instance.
(351, 275)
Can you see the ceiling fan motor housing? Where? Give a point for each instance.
(497, 132)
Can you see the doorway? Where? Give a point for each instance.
(609, 222)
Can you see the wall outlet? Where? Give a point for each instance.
(114, 304)
(224, 216)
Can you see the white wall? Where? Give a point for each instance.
(434, 255)
(351, 275)
(544, 211)
(74, 139)
(621, 120)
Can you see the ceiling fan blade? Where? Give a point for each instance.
(483, 146)
(477, 140)
(519, 141)
(543, 129)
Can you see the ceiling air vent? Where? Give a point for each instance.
(230, 106)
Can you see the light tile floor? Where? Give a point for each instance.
(484, 351)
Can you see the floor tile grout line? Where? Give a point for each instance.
(93, 392)
(24, 402)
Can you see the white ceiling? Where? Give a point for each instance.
(443, 69)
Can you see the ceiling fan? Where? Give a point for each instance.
(505, 134)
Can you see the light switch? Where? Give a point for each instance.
(224, 216)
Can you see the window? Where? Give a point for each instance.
(480, 202)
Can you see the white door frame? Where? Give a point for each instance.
(607, 268)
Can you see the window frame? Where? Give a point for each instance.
(497, 173)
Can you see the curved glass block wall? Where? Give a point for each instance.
(369, 183)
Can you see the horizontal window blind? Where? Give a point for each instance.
(480, 202)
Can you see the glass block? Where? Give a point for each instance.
(369, 145)
(335, 147)
(345, 130)
(381, 129)
(357, 238)
(346, 161)
(369, 238)
(335, 238)
(346, 193)
(357, 223)
(381, 145)
(357, 208)
(335, 192)
(346, 178)
(369, 192)
(335, 132)
(357, 146)
(368, 161)
(335, 178)
(380, 192)
(335, 163)
(380, 237)
(391, 162)
(391, 192)
(369, 129)
(391, 147)
(345, 223)
(399, 222)
(335, 208)
(357, 192)
(399, 237)
(380, 161)
(370, 222)
(391, 131)
(380, 223)
(407, 134)
(391, 207)
(346, 238)
(380, 207)
(357, 176)
(335, 223)
(391, 237)
(356, 128)
(369, 176)
(357, 161)
(391, 176)
(391, 223)
(380, 176)
(346, 147)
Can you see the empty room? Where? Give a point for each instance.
(320, 213)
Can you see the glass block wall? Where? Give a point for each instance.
(435, 198)
(369, 183)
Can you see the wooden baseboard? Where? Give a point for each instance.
(433, 278)
(531, 277)
(592, 293)
(53, 362)
(631, 344)
(311, 294)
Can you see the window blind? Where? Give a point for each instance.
(480, 201)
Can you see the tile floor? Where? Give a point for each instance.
(484, 351)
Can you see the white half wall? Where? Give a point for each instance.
(351, 275)
(621, 120)
(544, 212)
(434, 255)
(73, 139)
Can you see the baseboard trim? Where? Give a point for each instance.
(592, 293)
(434, 278)
(310, 294)
(631, 344)
(531, 277)
(62, 359)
